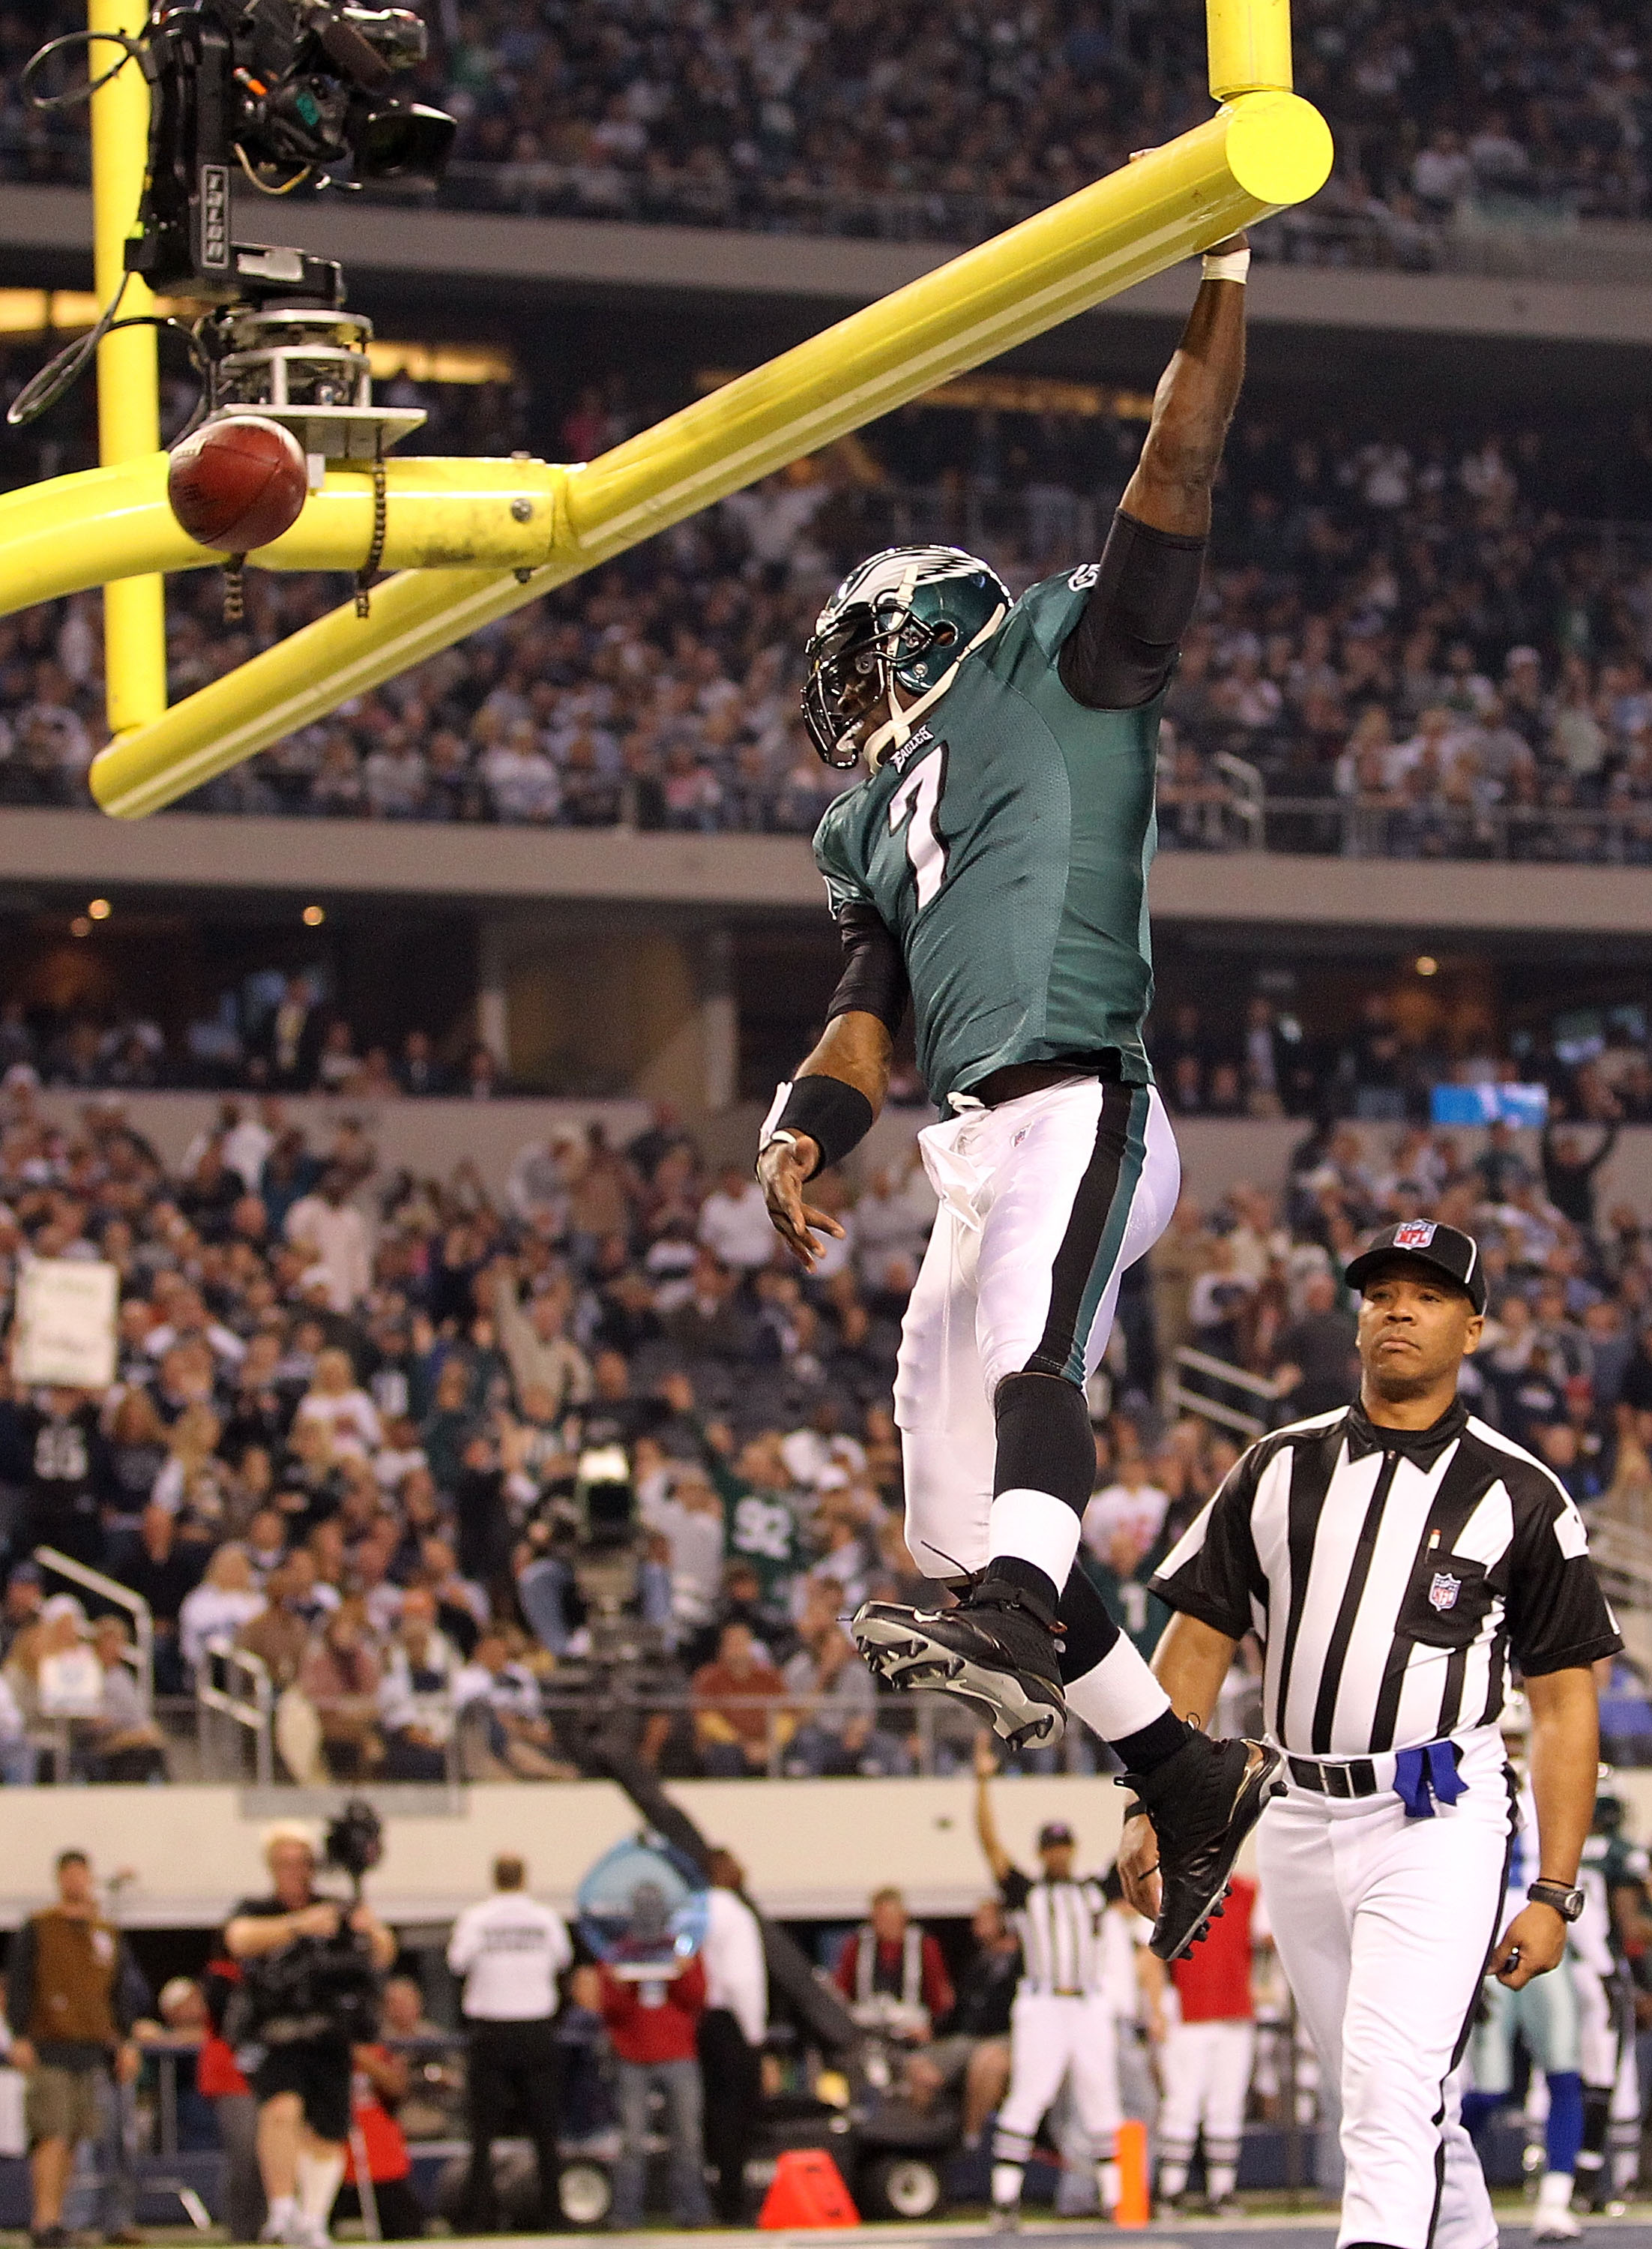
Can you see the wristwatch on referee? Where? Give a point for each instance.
(1568, 1903)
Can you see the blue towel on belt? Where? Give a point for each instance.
(1421, 1775)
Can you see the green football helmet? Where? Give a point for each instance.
(905, 619)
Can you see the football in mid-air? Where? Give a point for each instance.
(238, 483)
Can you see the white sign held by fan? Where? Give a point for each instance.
(65, 1333)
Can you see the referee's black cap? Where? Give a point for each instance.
(1053, 1835)
(1453, 1252)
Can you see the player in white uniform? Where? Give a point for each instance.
(1393, 1558)
(1064, 2024)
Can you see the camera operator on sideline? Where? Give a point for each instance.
(302, 2003)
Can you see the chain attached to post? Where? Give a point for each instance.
(369, 570)
(235, 590)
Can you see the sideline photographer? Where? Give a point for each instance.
(312, 1967)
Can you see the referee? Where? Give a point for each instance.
(1062, 2023)
(511, 1950)
(1395, 1558)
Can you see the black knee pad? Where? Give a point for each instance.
(1045, 1439)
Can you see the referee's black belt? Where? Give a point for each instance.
(1357, 1777)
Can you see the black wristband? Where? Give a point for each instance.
(837, 1117)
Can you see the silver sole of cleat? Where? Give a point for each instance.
(906, 1658)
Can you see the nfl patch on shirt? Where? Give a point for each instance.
(1443, 1593)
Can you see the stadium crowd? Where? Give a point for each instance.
(460, 1471)
(862, 118)
(1432, 643)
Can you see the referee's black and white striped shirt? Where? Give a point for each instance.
(1060, 1926)
(1390, 1575)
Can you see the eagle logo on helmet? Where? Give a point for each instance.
(903, 621)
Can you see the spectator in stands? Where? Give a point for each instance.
(740, 1720)
(1318, 1369)
(415, 1696)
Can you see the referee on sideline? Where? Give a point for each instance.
(1062, 2023)
(511, 1950)
(1394, 1558)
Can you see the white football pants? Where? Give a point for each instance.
(1383, 1926)
(1037, 1225)
(1053, 2039)
(1206, 2067)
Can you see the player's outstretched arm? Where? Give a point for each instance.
(1190, 1662)
(1565, 1744)
(840, 1089)
(1170, 489)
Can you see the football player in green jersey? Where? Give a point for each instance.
(992, 868)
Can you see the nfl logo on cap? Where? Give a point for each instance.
(1415, 1234)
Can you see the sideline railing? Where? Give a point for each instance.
(252, 1711)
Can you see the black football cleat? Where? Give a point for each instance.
(997, 1649)
(1202, 1804)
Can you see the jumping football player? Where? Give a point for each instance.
(993, 867)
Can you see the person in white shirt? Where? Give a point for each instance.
(734, 1222)
(732, 2031)
(337, 1401)
(226, 1598)
(1130, 1501)
(335, 1234)
(510, 1949)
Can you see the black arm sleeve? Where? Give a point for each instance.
(1122, 650)
(873, 981)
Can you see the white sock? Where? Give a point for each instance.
(1107, 2184)
(320, 2179)
(1119, 1695)
(1220, 2179)
(283, 2208)
(1036, 1527)
(1173, 2180)
(1555, 2193)
(1006, 2186)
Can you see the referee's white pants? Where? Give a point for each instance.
(1053, 2039)
(1206, 2067)
(1029, 1246)
(1383, 1926)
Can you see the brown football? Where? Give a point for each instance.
(238, 483)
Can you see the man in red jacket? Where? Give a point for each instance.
(652, 2002)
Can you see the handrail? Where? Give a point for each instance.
(257, 1716)
(142, 1658)
(1213, 1409)
(1222, 1370)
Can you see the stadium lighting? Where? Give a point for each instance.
(313, 917)
(100, 910)
(1427, 965)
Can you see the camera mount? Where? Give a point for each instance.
(290, 93)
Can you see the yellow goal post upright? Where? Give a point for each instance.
(135, 627)
(1265, 150)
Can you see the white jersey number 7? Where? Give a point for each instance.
(920, 795)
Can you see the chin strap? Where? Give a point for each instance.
(896, 729)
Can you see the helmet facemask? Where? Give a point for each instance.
(898, 628)
(855, 667)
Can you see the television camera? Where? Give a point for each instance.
(318, 1986)
(277, 95)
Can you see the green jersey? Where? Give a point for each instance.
(1006, 845)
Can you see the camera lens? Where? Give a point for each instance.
(409, 141)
